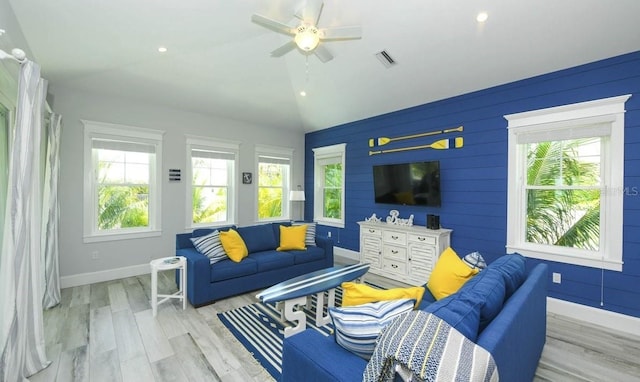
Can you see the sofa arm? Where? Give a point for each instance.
(310, 356)
(198, 275)
(516, 336)
(327, 245)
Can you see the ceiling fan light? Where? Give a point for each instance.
(307, 38)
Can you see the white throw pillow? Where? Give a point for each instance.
(310, 238)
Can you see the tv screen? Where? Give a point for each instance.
(415, 183)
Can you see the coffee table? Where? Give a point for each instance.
(298, 291)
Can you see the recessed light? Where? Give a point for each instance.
(162, 49)
(482, 17)
(303, 93)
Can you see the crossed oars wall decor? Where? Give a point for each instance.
(441, 144)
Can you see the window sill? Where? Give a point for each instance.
(329, 223)
(120, 236)
(612, 265)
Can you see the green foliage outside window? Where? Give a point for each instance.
(332, 202)
(563, 193)
(123, 207)
(270, 190)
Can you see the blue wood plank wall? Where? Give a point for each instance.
(474, 178)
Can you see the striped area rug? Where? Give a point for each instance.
(258, 328)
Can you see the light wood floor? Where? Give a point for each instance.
(106, 332)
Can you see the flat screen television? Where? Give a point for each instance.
(416, 183)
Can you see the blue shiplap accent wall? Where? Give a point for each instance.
(474, 178)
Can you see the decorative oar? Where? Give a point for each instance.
(442, 144)
(384, 140)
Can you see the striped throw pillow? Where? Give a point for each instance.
(210, 246)
(475, 261)
(310, 238)
(358, 327)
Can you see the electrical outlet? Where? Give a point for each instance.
(557, 278)
(329, 234)
(95, 255)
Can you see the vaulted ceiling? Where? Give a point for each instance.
(218, 61)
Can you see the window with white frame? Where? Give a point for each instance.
(122, 181)
(274, 182)
(328, 180)
(212, 174)
(566, 175)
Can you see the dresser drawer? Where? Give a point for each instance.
(417, 238)
(394, 237)
(392, 252)
(371, 231)
(394, 266)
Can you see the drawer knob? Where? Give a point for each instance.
(394, 266)
(421, 238)
(394, 251)
(394, 237)
(372, 230)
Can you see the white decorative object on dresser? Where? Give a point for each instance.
(404, 253)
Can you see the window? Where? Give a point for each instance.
(329, 167)
(122, 181)
(566, 187)
(212, 175)
(274, 182)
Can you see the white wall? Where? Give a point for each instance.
(76, 263)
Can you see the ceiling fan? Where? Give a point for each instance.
(306, 34)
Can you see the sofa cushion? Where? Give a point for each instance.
(310, 254)
(310, 238)
(449, 274)
(512, 268)
(488, 287)
(461, 311)
(358, 327)
(210, 246)
(269, 260)
(205, 231)
(228, 269)
(234, 245)
(258, 237)
(357, 294)
(292, 238)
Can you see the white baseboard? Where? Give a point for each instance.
(346, 253)
(100, 276)
(608, 319)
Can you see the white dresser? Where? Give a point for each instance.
(402, 253)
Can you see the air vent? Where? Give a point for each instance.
(386, 59)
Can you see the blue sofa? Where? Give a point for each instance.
(515, 335)
(264, 266)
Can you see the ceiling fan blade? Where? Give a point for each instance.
(323, 53)
(341, 33)
(272, 24)
(310, 13)
(286, 48)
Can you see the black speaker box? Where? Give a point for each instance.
(433, 221)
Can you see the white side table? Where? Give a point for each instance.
(164, 264)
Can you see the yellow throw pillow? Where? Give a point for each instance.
(449, 274)
(292, 237)
(358, 294)
(233, 245)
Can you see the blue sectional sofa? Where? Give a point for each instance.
(264, 266)
(511, 326)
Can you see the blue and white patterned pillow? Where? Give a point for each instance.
(310, 238)
(210, 246)
(357, 327)
(475, 261)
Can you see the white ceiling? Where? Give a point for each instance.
(218, 61)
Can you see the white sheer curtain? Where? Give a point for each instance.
(50, 215)
(21, 294)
